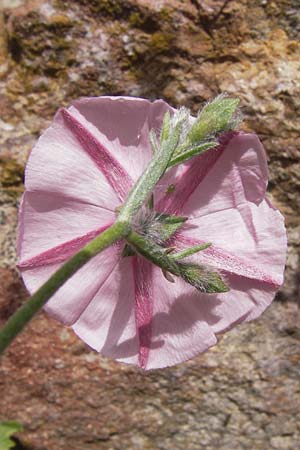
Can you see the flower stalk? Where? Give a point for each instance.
(153, 173)
(25, 313)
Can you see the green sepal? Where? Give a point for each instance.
(153, 252)
(215, 284)
(7, 429)
(190, 251)
(161, 229)
(202, 279)
(164, 134)
(153, 142)
(165, 225)
(198, 276)
(188, 154)
(150, 202)
(215, 117)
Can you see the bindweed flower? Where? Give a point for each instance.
(207, 250)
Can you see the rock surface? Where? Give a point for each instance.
(244, 393)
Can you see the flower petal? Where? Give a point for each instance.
(179, 327)
(142, 273)
(254, 235)
(234, 173)
(47, 221)
(90, 140)
(68, 303)
(61, 252)
(219, 311)
(108, 323)
(118, 325)
(78, 172)
(59, 164)
(186, 180)
(124, 124)
(252, 262)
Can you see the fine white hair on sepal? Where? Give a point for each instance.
(179, 116)
(182, 118)
(209, 102)
(146, 222)
(237, 116)
(237, 119)
(205, 279)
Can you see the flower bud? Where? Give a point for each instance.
(216, 117)
(202, 279)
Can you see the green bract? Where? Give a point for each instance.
(203, 279)
(215, 117)
(194, 274)
(200, 134)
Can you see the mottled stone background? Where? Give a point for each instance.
(244, 393)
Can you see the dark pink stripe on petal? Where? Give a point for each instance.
(197, 170)
(224, 260)
(115, 174)
(143, 306)
(61, 252)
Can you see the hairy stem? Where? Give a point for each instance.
(146, 183)
(25, 313)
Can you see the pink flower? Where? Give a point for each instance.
(81, 170)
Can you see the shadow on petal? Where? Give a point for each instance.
(120, 316)
(183, 314)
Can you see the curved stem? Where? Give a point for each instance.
(25, 313)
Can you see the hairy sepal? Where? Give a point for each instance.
(215, 118)
(165, 131)
(202, 279)
(156, 227)
(188, 153)
(190, 251)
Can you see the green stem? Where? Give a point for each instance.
(153, 252)
(23, 315)
(146, 183)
